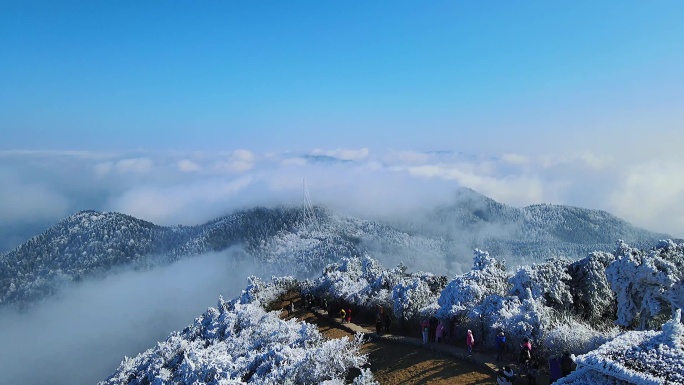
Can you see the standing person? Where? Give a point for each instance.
(343, 315)
(388, 321)
(532, 372)
(554, 369)
(500, 345)
(433, 328)
(425, 329)
(527, 344)
(470, 341)
(566, 363)
(378, 320)
(525, 354)
(349, 315)
(439, 332)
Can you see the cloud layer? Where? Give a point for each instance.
(192, 187)
(81, 337)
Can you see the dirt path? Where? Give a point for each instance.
(396, 363)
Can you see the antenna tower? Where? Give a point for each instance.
(310, 220)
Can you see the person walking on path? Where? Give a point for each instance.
(425, 329)
(343, 315)
(349, 315)
(470, 341)
(439, 333)
(500, 345)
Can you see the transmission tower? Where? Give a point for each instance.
(310, 220)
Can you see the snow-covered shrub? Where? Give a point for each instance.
(547, 281)
(527, 318)
(262, 293)
(646, 284)
(413, 298)
(575, 336)
(488, 277)
(636, 357)
(238, 343)
(593, 298)
(357, 281)
(363, 282)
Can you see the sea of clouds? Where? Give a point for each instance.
(80, 336)
(167, 188)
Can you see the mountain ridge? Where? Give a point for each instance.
(91, 243)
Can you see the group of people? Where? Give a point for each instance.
(383, 320)
(346, 315)
(432, 330)
(529, 365)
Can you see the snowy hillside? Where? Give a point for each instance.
(549, 303)
(238, 342)
(534, 232)
(90, 244)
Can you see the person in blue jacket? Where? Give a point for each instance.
(500, 345)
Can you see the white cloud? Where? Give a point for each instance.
(161, 187)
(124, 166)
(516, 159)
(517, 190)
(134, 165)
(346, 154)
(651, 195)
(186, 165)
(30, 201)
(406, 157)
(182, 203)
(82, 336)
(104, 168)
(293, 162)
(237, 161)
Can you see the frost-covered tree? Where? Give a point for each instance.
(413, 298)
(547, 281)
(488, 277)
(593, 298)
(646, 284)
(241, 343)
(359, 281)
(363, 282)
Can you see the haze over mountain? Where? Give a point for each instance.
(284, 239)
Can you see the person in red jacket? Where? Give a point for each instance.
(349, 315)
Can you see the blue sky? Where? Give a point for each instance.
(271, 75)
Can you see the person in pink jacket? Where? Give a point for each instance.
(470, 341)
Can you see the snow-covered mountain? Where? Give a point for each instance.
(532, 233)
(90, 244)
